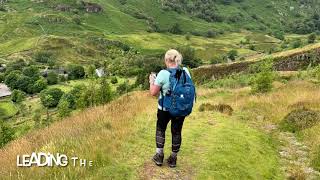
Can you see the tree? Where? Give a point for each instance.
(25, 83)
(12, 78)
(312, 38)
(105, 93)
(232, 54)
(50, 97)
(37, 117)
(91, 72)
(6, 133)
(17, 96)
(63, 108)
(32, 72)
(52, 78)
(39, 85)
(262, 82)
(189, 56)
(76, 72)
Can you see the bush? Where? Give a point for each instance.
(6, 134)
(51, 97)
(114, 80)
(262, 82)
(297, 43)
(312, 38)
(39, 85)
(300, 119)
(222, 108)
(17, 96)
(64, 108)
(232, 54)
(12, 78)
(142, 81)
(123, 88)
(279, 35)
(175, 29)
(52, 78)
(189, 56)
(32, 72)
(76, 72)
(43, 56)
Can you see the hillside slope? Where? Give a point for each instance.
(119, 138)
(25, 24)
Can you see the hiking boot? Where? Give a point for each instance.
(158, 159)
(172, 161)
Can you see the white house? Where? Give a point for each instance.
(4, 90)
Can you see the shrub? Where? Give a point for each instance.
(17, 96)
(279, 35)
(43, 56)
(64, 107)
(6, 133)
(297, 43)
(222, 108)
(312, 38)
(188, 37)
(32, 72)
(104, 91)
(189, 56)
(211, 34)
(51, 97)
(232, 54)
(76, 72)
(175, 29)
(262, 82)
(114, 80)
(52, 78)
(123, 88)
(39, 85)
(2, 77)
(300, 119)
(12, 78)
(142, 81)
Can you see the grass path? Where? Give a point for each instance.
(119, 138)
(215, 146)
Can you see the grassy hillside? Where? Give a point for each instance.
(119, 138)
(27, 26)
(121, 144)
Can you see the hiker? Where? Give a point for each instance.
(176, 97)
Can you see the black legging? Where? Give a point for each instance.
(176, 126)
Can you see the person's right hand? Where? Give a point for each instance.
(152, 78)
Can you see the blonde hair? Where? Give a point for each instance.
(173, 56)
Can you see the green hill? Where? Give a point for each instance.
(27, 26)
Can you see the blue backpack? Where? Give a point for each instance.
(180, 98)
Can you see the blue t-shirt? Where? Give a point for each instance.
(163, 81)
